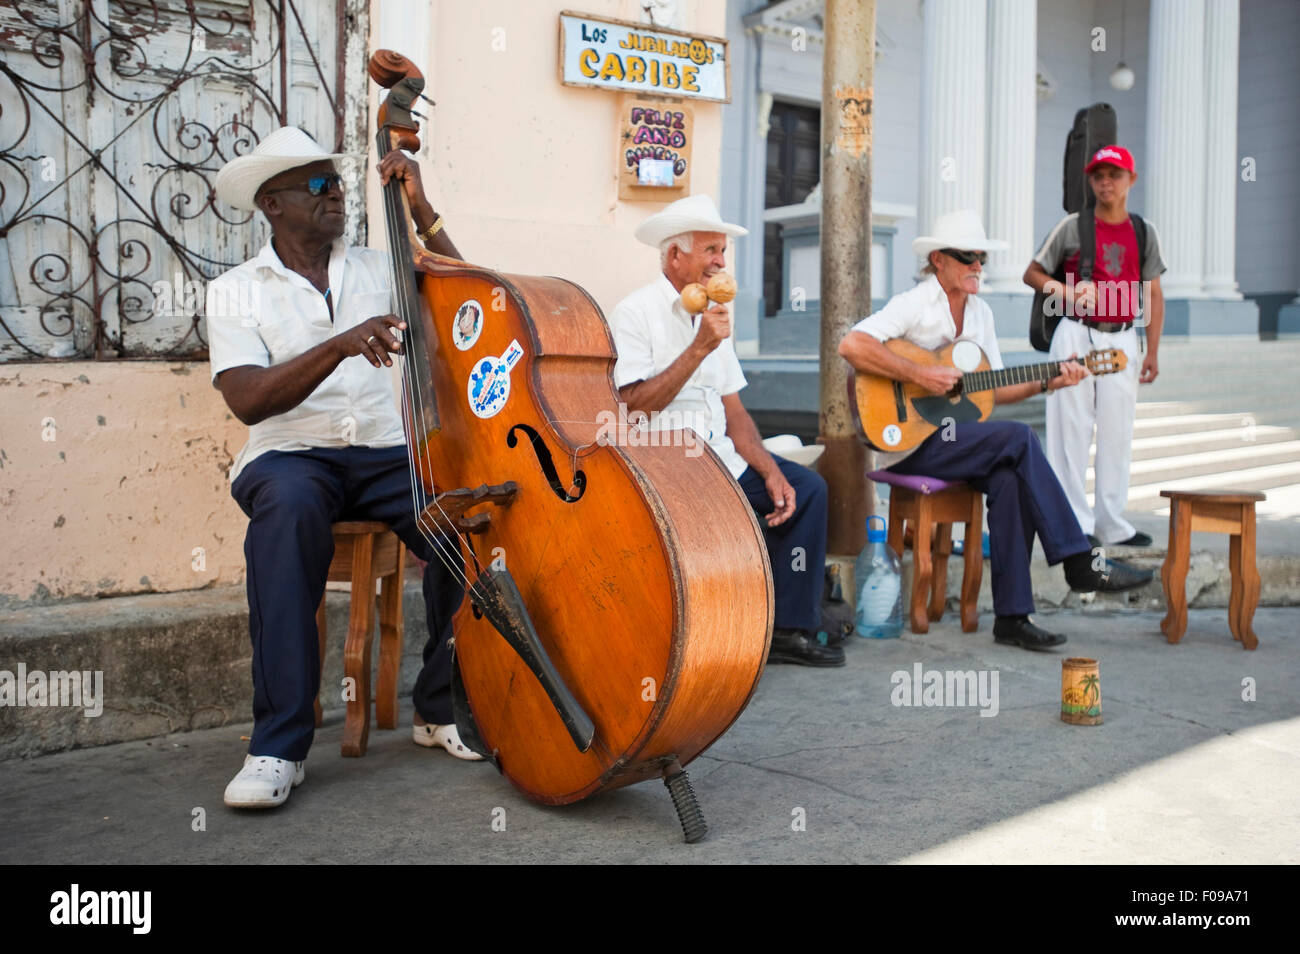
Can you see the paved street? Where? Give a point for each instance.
(1182, 770)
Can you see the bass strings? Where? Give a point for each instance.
(419, 461)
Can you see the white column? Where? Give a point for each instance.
(1175, 165)
(952, 109)
(1013, 111)
(1222, 18)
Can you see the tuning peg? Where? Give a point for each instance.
(416, 113)
(426, 99)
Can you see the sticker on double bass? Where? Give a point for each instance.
(489, 381)
(467, 325)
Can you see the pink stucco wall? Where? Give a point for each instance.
(113, 480)
(131, 493)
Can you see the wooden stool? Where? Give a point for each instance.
(365, 552)
(932, 506)
(1226, 511)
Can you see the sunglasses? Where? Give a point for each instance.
(316, 185)
(966, 258)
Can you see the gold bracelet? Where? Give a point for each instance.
(432, 230)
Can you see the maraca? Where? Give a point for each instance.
(721, 288)
(694, 298)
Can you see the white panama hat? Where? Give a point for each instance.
(695, 213)
(286, 148)
(961, 230)
(792, 448)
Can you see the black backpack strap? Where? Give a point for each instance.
(1140, 233)
(1087, 243)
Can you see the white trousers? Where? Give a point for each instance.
(1107, 404)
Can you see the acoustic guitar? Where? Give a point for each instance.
(896, 416)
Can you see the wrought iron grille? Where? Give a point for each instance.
(115, 117)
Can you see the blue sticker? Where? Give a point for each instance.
(489, 381)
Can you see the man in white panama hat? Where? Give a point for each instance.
(685, 373)
(1001, 459)
(285, 330)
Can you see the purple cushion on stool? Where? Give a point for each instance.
(923, 485)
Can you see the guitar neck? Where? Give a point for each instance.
(1021, 374)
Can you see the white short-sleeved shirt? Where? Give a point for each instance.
(261, 313)
(651, 330)
(923, 317)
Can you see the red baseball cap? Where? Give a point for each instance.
(1112, 156)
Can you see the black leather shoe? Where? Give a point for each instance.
(1114, 577)
(1138, 539)
(802, 649)
(1021, 631)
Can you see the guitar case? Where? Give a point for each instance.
(1094, 126)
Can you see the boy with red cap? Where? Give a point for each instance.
(1101, 313)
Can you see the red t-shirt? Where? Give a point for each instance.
(1115, 271)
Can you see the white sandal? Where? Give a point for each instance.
(431, 736)
(264, 782)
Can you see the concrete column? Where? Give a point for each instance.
(1176, 151)
(1012, 108)
(1221, 37)
(953, 84)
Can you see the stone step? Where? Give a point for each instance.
(1220, 463)
(170, 662)
(1191, 423)
(1165, 445)
(1146, 497)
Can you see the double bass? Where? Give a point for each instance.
(619, 597)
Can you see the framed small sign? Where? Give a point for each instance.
(651, 61)
(654, 150)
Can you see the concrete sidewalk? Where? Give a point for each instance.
(1182, 770)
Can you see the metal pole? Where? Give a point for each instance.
(847, 69)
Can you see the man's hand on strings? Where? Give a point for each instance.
(373, 339)
(1072, 372)
(398, 165)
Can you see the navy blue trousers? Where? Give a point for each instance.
(1004, 461)
(796, 548)
(291, 499)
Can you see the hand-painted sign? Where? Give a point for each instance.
(621, 55)
(654, 159)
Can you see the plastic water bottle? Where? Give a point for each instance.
(879, 612)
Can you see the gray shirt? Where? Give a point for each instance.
(1062, 244)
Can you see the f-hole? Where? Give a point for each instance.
(548, 464)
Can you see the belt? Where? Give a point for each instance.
(1105, 327)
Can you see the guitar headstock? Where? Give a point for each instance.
(1106, 361)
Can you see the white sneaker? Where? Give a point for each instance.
(264, 782)
(432, 736)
